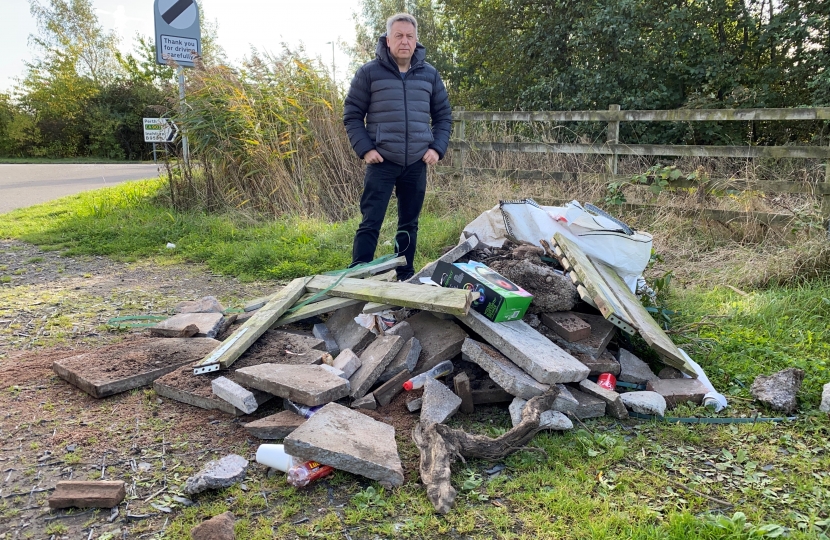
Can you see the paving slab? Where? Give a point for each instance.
(308, 385)
(552, 420)
(440, 340)
(218, 474)
(241, 398)
(366, 402)
(334, 370)
(87, 494)
(439, 403)
(645, 402)
(322, 332)
(347, 362)
(349, 441)
(565, 401)
(285, 347)
(602, 332)
(183, 386)
(502, 370)
(538, 356)
(589, 406)
(604, 363)
(207, 304)
(209, 324)
(568, 325)
(677, 391)
(385, 393)
(403, 329)
(405, 360)
(133, 364)
(347, 333)
(634, 370)
(373, 360)
(276, 426)
(613, 404)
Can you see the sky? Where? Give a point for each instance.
(264, 24)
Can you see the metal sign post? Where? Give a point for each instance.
(178, 38)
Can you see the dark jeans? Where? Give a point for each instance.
(410, 184)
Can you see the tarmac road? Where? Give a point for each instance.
(25, 185)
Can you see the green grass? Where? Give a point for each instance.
(606, 480)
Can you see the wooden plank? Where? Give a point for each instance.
(239, 342)
(452, 301)
(606, 302)
(676, 115)
(773, 152)
(646, 325)
(451, 256)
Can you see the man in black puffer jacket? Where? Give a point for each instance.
(387, 116)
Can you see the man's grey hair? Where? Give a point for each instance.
(405, 17)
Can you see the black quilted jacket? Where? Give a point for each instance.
(392, 114)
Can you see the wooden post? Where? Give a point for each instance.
(825, 199)
(458, 134)
(613, 137)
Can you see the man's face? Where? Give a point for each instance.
(401, 41)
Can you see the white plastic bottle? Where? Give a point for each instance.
(442, 369)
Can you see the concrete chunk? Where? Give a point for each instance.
(208, 304)
(349, 441)
(405, 360)
(374, 360)
(677, 391)
(347, 362)
(234, 394)
(461, 384)
(276, 426)
(825, 398)
(645, 402)
(414, 404)
(385, 393)
(403, 329)
(613, 403)
(589, 406)
(209, 325)
(634, 370)
(779, 390)
(502, 370)
(565, 401)
(321, 331)
(553, 420)
(83, 494)
(440, 340)
(366, 402)
(334, 371)
(568, 326)
(604, 363)
(347, 333)
(439, 403)
(309, 385)
(217, 474)
(216, 528)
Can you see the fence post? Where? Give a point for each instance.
(613, 137)
(825, 199)
(458, 135)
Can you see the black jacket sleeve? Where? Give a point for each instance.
(441, 113)
(354, 113)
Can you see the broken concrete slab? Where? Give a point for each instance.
(502, 370)
(347, 362)
(677, 391)
(209, 324)
(825, 399)
(439, 403)
(405, 360)
(366, 402)
(552, 420)
(349, 441)
(347, 333)
(461, 384)
(534, 353)
(604, 363)
(634, 370)
(374, 360)
(207, 304)
(589, 406)
(440, 340)
(565, 402)
(486, 392)
(216, 528)
(308, 385)
(669, 372)
(779, 390)
(645, 402)
(322, 332)
(87, 494)
(276, 426)
(333, 370)
(132, 364)
(613, 404)
(602, 332)
(403, 329)
(385, 393)
(241, 398)
(568, 325)
(217, 474)
(414, 404)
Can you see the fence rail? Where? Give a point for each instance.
(613, 148)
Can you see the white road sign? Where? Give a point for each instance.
(177, 31)
(159, 130)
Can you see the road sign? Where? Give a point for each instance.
(159, 130)
(177, 31)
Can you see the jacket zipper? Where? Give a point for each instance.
(406, 122)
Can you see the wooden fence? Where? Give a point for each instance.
(613, 148)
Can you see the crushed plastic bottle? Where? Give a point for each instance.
(444, 368)
(303, 410)
(303, 474)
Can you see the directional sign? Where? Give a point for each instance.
(178, 33)
(159, 130)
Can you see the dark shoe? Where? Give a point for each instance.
(405, 277)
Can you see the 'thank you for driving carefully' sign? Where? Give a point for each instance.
(177, 31)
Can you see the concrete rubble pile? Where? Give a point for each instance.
(352, 355)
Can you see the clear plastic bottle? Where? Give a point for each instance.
(303, 410)
(303, 474)
(444, 368)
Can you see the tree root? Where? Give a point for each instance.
(441, 446)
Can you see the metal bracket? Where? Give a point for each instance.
(201, 370)
(211, 362)
(621, 324)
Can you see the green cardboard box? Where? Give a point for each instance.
(499, 298)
